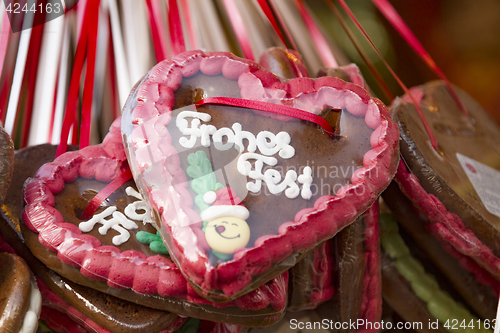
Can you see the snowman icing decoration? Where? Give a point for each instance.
(226, 229)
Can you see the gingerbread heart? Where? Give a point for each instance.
(247, 172)
(116, 250)
(6, 162)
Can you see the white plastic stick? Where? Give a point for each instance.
(137, 39)
(46, 81)
(123, 77)
(62, 82)
(22, 54)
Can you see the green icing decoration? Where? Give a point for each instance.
(154, 240)
(42, 327)
(439, 303)
(200, 169)
(423, 287)
(192, 325)
(222, 256)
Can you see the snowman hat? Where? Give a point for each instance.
(224, 203)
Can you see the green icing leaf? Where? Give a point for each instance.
(198, 200)
(192, 325)
(204, 180)
(153, 240)
(199, 165)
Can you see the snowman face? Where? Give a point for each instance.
(227, 234)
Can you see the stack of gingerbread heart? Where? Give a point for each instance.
(220, 184)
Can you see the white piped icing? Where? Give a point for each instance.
(133, 207)
(210, 197)
(306, 180)
(267, 143)
(119, 221)
(30, 322)
(214, 212)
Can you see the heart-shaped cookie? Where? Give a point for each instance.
(454, 187)
(113, 251)
(107, 311)
(6, 162)
(239, 174)
(20, 300)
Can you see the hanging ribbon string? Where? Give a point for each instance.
(189, 23)
(155, 23)
(319, 40)
(362, 53)
(175, 28)
(70, 112)
(99, 198)
(25, 109)
(269, 107)
(4, 42)
(402, 28)
(89, 77)
(407, 91)
(273, 15)
(239, 29)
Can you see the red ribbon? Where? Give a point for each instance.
(157, 34)
(269, 107)
(91, 10)
(404, 31)
(104, 193)
(175, 27)
(319, 40)
(239, 29)
(89, 76)
(432, 138)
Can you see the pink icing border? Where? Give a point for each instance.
(323, 282)
(329, 214)
(447, 227)
(122, 270)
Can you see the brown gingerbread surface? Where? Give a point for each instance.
(6, 162)
(108, 311)
(440, 172)
(15, 290)
(333, 161)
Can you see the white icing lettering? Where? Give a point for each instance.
(240, 135)
(206, 131)
(245, 168)
(219, 143)
(133, 207)
(118, 222)
(272, 177)
(270, 144)
(266, 142)
(306, 180)
(194, 131)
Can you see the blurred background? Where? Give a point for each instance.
(462, 36)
